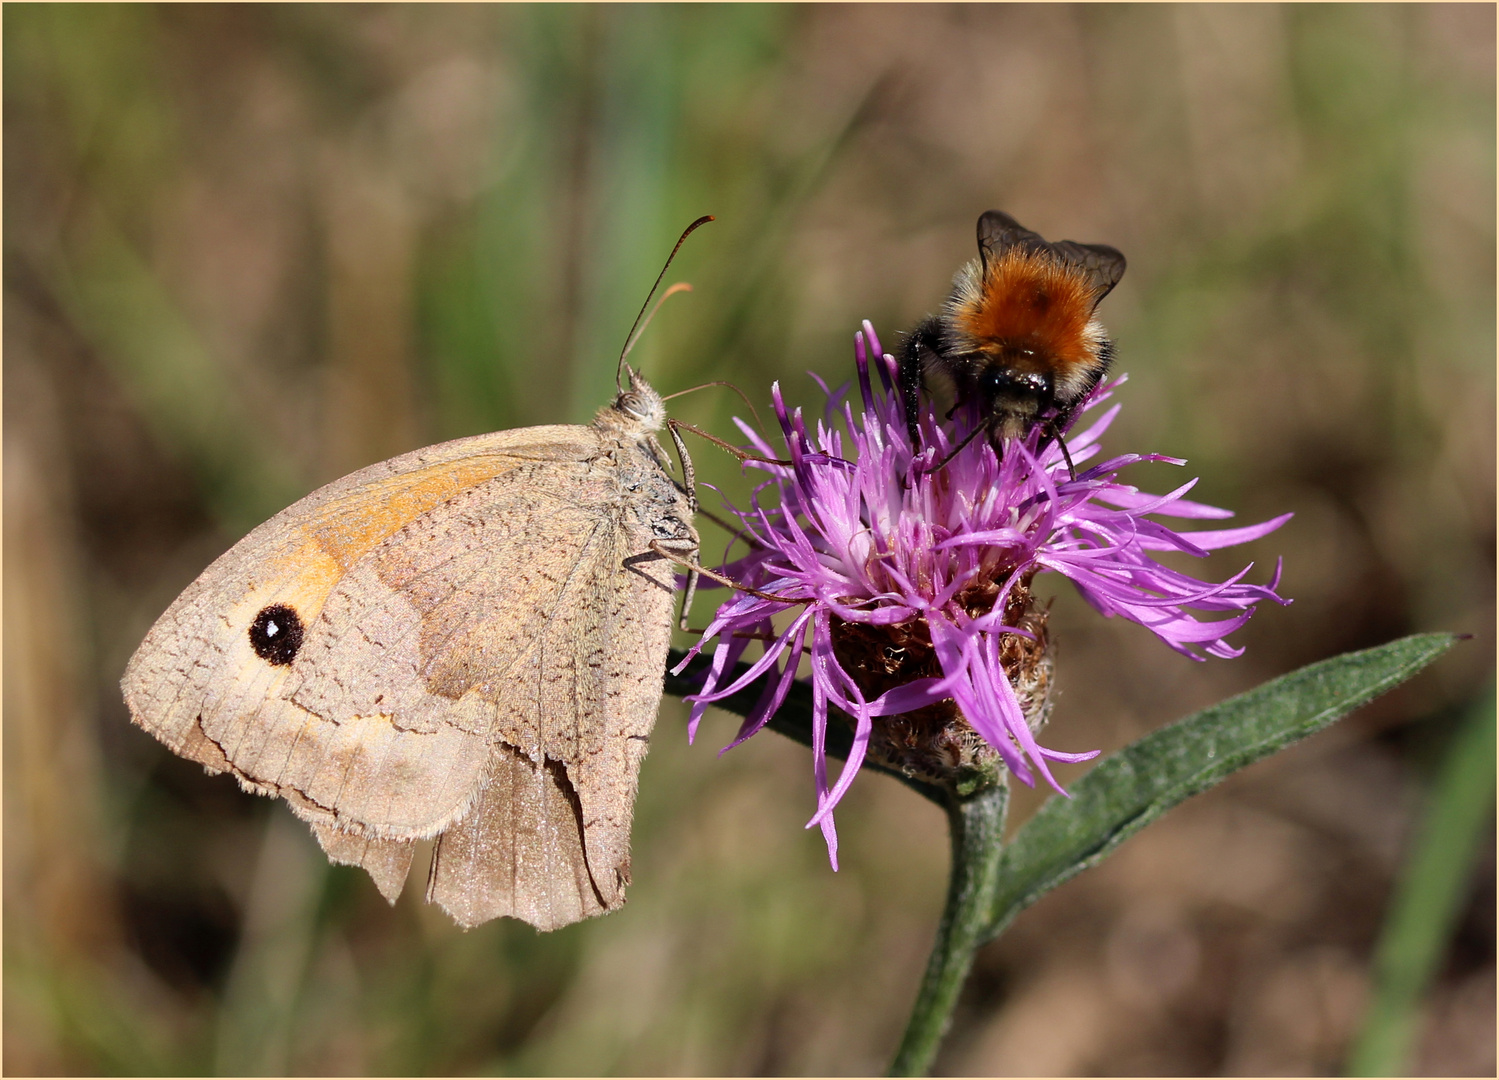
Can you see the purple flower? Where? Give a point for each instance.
(912, 584)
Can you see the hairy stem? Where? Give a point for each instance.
(976, 823)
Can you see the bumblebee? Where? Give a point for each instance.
(1017, 339)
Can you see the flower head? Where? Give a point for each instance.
(913, 581)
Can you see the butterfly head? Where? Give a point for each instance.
(638, 407)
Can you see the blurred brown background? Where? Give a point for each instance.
(248, 249)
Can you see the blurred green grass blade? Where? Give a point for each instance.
(762, 264)
(108, 1028)
(1132, 788)
(1429, 896)
(263, 1002)
(124, 311)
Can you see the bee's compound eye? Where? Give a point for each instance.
(993, 382)
(1039, 383)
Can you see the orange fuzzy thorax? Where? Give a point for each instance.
(1027, 300)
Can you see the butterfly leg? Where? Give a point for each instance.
(669, 549)
(684, 553)
(743, 455)
(687, 545)
(689, 474)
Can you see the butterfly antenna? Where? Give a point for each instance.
(630, 338)
(671, 290)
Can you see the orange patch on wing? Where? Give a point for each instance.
(301, 580)
(1030, 300)
(347, 532)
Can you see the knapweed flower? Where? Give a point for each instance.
(908, 580)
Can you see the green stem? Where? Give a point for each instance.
(977, 825)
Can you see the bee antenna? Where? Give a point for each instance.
(630, 338)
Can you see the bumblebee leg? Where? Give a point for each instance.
(1071, 471)
(1063, 418)
(957, 449)
(909, 373)
(1052, 432)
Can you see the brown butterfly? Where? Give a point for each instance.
(465, 643)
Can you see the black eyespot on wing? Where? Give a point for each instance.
(276, 634)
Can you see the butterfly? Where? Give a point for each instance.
(465, 643)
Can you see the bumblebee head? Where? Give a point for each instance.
(1014, 398)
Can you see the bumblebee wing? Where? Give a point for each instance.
(1105, 265)
(998, 232)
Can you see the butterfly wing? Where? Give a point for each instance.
(548, 841)
(445, 607)
(197, 682)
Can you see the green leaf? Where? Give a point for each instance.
(1132, 788)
